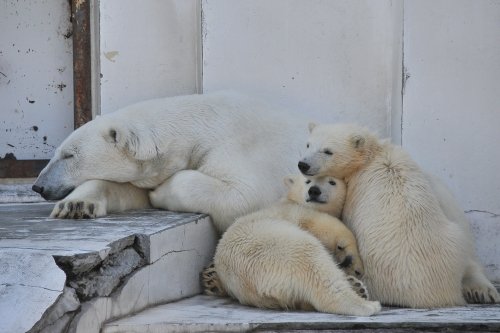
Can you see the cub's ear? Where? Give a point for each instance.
(141, 147)
(358, 141)
(289, 180)
(311, 126)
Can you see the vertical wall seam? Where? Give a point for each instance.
(95, 49)
(403, 73)
(199, 47)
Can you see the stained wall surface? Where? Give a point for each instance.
(36, 77)
(148, 49)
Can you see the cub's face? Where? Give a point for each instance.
(334, 150)
(325, 194)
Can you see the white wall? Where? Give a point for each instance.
(148, 49)
(36, 79)
(333, 60)
(451, 113)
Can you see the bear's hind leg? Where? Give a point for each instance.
(476, 287)
(332, 292)
(358, 286)
(211, 283)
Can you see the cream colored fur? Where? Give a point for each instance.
(413, 238)
(281, 257)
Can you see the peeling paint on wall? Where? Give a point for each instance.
(111, 55)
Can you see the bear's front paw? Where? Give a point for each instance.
(77, 209)
(358, 287)
(349, 261)
(480, 294)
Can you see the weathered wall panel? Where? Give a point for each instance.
(451, 112)
(332, 60)
(148, 53)
(36, 80)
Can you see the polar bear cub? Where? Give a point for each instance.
(416, 249)
(281, 256)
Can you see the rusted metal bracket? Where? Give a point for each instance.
(82, 55)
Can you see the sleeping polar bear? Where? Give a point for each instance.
(222, 154)
(289, 255)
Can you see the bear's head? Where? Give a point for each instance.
(336, 150)
(325, 194)
(106, 148)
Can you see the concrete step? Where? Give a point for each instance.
(73, 275)
(211, 314)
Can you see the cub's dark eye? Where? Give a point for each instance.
(328, 152)
(65, 156)
(308, 181)
(333, 183)
(307, 145)
(340, 247)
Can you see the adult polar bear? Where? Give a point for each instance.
(413, 238)
(222, 154)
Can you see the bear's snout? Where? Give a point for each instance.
(37, 189)
(303, 167)
(346, 263)
(314, 192)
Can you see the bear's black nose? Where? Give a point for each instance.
(314, 192)
(37, 189)
(346, 263)
(303, 166)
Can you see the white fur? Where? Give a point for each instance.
(413, 237)
(272, 259)
(222, 154)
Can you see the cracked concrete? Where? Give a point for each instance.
(72, 275)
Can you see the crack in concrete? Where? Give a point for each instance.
(482, 211)
(29, 286)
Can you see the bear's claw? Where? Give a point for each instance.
(210, 281)
(484, 295)
(75, 210)
(358, 287)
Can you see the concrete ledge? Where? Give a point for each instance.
(210, 314)
(72, 275)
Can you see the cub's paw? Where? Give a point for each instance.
(349, 260)
(480, 294)
(77, 209)
(374, 307)
(358, 287)
(210, 282)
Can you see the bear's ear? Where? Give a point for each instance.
(311, 126)
(140, 147)
(289, 180)
(358, 141)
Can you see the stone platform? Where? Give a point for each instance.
(139, 272)
(211, 314)
(73, 275)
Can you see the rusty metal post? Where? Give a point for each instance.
(82, 53)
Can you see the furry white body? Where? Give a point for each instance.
(413, 238)
(279, 258)
(222, 154)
